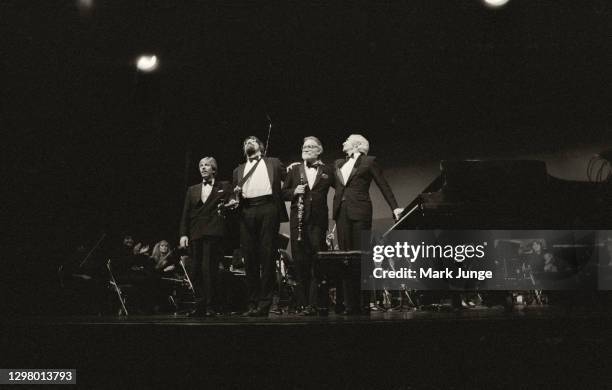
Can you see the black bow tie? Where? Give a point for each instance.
(207, 183)
(313, 164)
(252, 159)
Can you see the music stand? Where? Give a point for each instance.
(115, 285)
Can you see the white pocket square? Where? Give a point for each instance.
(220, 191)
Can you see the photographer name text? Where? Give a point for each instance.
(430, 273)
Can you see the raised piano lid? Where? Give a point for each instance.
(495, 176)
(505, 194)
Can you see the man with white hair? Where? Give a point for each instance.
(309, 180)
(352, 209)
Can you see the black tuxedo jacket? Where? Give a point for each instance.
(276, 174)
(356, 192)
(202, 219)
(315, 198)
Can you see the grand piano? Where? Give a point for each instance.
(501, 195)
(517, 194)
(520, 196)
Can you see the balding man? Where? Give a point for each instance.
(202, 230)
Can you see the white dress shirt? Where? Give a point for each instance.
(207, 189)
(348, 167)
(259, 182)
(311, 175)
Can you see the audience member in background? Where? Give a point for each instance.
(133, 267)
(172, 278)
(534, 258)
(550, 263)
(164, 259)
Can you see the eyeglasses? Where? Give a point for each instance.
(308, 147)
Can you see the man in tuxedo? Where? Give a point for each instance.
(202, 230)
(309, 179)
(352, 208)
(262, 209)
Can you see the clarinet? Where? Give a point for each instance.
(300, 212)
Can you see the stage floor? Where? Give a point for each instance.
(439, 313)
(477, 348)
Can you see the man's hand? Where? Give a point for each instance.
(136, 249)
(184, 242)
(144, 249)
(397, 212)
(232, 204)
(292, 165)
(299, 190)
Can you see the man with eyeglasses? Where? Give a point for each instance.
(309, 179)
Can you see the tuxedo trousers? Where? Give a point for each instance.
(349, 238)
(259, 225)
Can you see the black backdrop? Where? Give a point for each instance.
(98, 147)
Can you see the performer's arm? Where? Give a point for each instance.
(380, 180)
(227, 191)
(332, 174)
(184, 226)
(288, 188)
(282, 170)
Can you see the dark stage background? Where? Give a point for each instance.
(95, 146)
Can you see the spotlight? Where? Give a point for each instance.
(84, 4)
(495, 3)
(85, 7)
(147, 63)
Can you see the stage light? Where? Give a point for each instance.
(85, 4)
(85, 7)
(495, 3)
(147, 63)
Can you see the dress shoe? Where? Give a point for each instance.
(309, 311)
(197, 313)
(249, 313)
(260, 313)
(291, 310)
(275, 310)
(339, 308)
